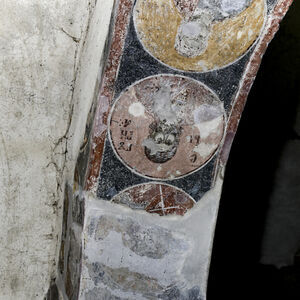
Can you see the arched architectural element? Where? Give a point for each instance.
(160, 108)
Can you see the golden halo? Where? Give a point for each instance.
(157, 22)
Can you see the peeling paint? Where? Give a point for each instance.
(180, 114)
(219, 43)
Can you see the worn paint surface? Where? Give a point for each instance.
(158, 116)
(157, 23)
(156, 198)
(167, 126)
(129, 254)
(43, 89)
(107, 92)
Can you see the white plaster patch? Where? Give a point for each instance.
(205, 149)
(233, 5)
(209, 127)
(154, 147)
(163, 269)
(250, 33)
(137, 109)
(184, 256)
(203, 64)
(221, 9)
(208, 119)
(163, 108)
(192, 36)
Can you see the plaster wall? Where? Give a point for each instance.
(50, 59)
(49, 69)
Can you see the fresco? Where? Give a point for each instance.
(151, 167)
(156, 198)
(166, 126)
(198, 35)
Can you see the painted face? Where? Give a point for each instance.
(198, 35)
(161, 144)
(196, 26)
(192, 35)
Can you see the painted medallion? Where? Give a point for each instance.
(156, 198)
(198, 35)
(166, 126)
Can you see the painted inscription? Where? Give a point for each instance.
(198, 35)
(166, 126)
(156, 198)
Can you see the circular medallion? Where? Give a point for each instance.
(198, 35)
(156, 198)
(166, 126)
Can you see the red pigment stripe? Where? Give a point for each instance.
(107, 92)
(253, 65)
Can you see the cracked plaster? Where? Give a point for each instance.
(42, 82)
(45, 95)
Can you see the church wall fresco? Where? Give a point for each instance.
(156, 198)
(166, 126)
(173, 89)
(207, 36)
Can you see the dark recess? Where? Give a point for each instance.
(266, 125)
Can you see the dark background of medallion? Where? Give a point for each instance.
(137, 64)
(115, 177)
(252, 222)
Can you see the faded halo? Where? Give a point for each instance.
(195, 36)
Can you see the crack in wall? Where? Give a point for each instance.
(60, 159)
